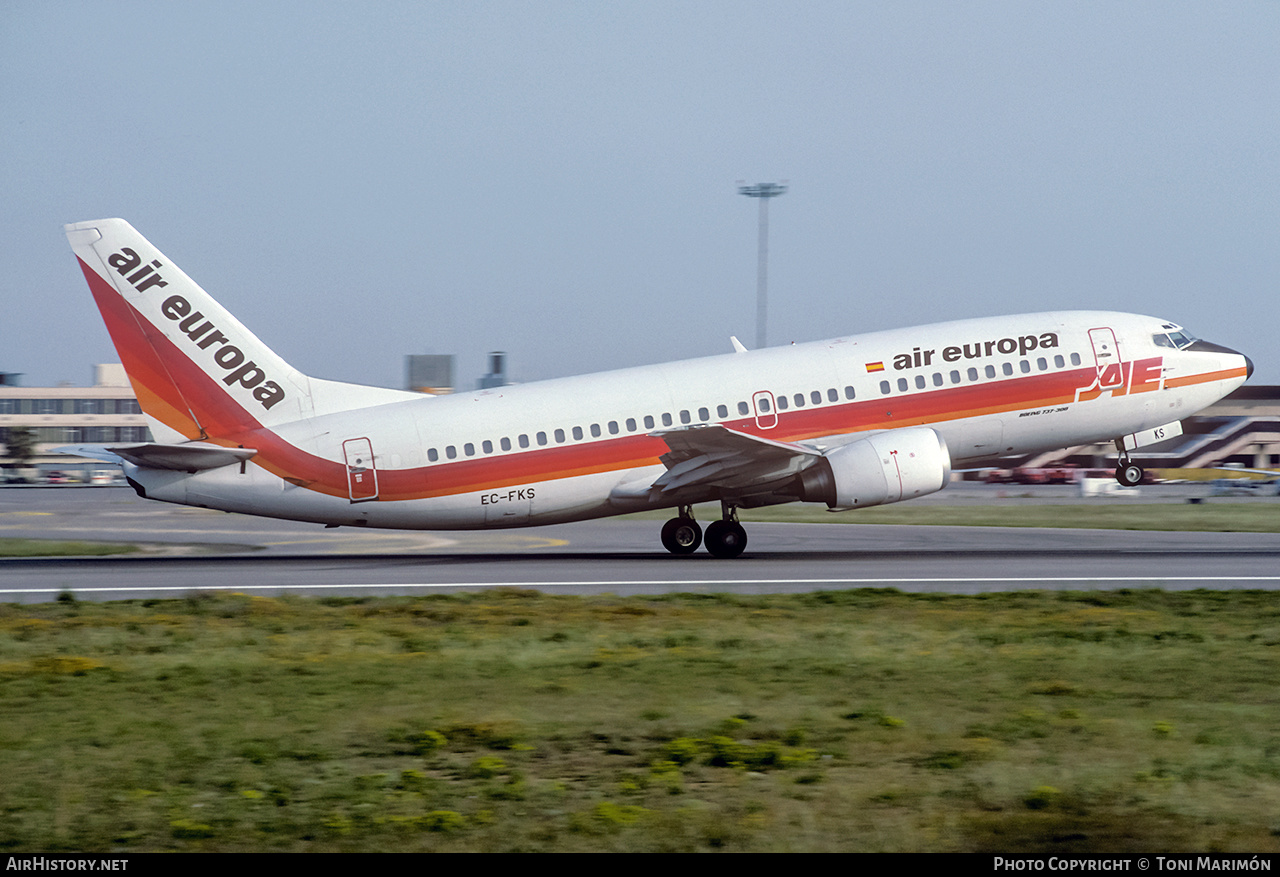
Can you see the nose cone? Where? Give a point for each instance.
(1210, 347)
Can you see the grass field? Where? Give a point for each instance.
(54, 548)
(855, 720)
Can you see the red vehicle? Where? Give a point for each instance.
(1051, 475)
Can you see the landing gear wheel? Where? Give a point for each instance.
(726, 539)
(681, 535)
(1129, 475)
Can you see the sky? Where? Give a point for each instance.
(558, 180)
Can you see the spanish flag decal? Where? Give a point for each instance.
(875, 367)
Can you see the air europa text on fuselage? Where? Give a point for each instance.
(1022, 345)
(239, 368)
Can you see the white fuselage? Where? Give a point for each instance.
(578, 447)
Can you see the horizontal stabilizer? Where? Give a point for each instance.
(187, 457)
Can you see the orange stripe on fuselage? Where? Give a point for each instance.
(1208, 377)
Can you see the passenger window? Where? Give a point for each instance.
(832, 395)
(684, 416)
(595, 430)
(1075, 359)
(432, 454)
(973, 374)
(631, 424)
(559, 436)
(704, 415)
(451, 452)
(763, 402)
(648, 421)
(884, 387)
(1007, 367)
(486, 446)
(955, 377)
(815, 397)
(990, 371)
(722, 411)
(524, 440)
(577, 433)
(1025, 366)
(848, 392)
(666, 419)
(782, 403)
(613, 427)
(469, 449)
(919, 382)
(1042, 364)
(937, 379)
(1058, 361)
(799, 400)
(744, 408)
(902, 385)
(505, 444)
(542, 438)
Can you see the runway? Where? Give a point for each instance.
(206, 550)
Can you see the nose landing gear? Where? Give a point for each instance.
(1128, 473)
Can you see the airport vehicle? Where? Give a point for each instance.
(850, 422)
(1024, 475)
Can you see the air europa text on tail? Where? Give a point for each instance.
(205, 334)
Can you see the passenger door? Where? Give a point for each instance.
(362, 475)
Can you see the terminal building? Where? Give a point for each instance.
(104, 413)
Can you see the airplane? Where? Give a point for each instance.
(850, 422)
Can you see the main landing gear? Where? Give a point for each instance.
(1128, 473)
(724, 538)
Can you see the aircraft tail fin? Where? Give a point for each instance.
(198, 373)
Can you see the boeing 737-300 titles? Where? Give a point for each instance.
(850, 422)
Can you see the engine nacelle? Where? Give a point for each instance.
(886, 467)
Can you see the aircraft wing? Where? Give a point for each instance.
(185, 457)
(714, 456)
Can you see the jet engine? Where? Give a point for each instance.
(883, 468)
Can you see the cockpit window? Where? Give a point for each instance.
(1177, 338)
